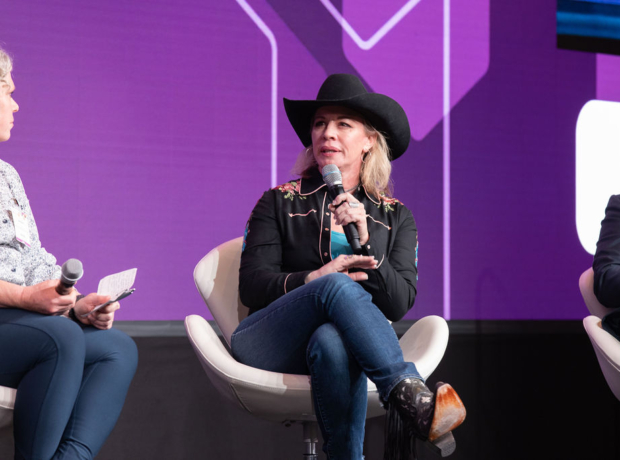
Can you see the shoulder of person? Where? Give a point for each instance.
(290, 190)
(391, 201)
(387, 203)
(290, 186)
(6, 167)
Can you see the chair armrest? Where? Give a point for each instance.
(425, 343)
(607, 350)
(603, 340)
(586, 286)
(240, 383)
(7, 404)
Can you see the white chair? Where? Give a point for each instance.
(283, 398)
(7, 403)
(606, 347)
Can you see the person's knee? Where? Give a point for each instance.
(122, 349)
(340, 294)
(327, 348)
(65, 340)
(337, 284)
(336, 280)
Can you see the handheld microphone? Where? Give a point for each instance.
(72, 271)
(333, 178)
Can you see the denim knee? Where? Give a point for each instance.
(339, 283)
(340, 293)
(326, 346)
(335, 280)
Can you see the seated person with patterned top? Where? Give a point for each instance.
(71, 372)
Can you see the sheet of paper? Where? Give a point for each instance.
(114, 285)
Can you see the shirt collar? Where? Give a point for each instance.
(315, 182)
(312, 184)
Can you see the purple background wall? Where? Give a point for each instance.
(145, 136)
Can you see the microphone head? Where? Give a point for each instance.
(72, 271)
(331, 175)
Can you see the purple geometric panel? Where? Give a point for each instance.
(406, 53)
(607, 71)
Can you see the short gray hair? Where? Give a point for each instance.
(6, 65)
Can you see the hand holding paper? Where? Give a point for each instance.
(103, 318)
(117, 286)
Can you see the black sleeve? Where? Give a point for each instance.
(606, 263)
(393, 285)
(261, 280)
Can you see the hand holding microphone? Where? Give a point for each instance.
(53, 297)
(71, 272)
(333, 178)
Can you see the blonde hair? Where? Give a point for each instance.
(374, 173)
(6, 65)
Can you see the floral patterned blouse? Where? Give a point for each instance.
(19, 263)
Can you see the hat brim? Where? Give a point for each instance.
(382, 112)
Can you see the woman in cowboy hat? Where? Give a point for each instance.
(317, 308)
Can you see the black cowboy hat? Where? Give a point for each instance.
(341, 89)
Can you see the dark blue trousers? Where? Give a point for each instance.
(71, 383)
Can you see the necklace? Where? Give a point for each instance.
(352, 188)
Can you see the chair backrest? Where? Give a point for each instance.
(7, 404)
(217, 279)
(607, 350)
(586, 286)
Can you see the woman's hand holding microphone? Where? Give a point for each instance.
(346, 209)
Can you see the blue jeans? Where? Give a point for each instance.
(71, 383)
(330, 329)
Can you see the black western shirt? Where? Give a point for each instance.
(288, 236)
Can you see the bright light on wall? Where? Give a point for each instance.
(597, 167)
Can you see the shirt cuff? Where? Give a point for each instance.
(294, 280)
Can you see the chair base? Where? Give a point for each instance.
(311, 439)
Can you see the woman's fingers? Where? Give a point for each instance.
(351, 201)
(340, 198)
(356, 261)
(358, 276)
(110, 308)
(102, 320)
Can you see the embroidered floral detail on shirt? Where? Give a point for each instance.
(291, 190)
(388, 202)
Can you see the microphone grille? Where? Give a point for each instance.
(72, 270)
(332, 175)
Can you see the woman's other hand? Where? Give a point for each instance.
(102, 318)
(347, 209)
(342, 264)
(43, 298)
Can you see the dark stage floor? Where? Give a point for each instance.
(533, 390)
